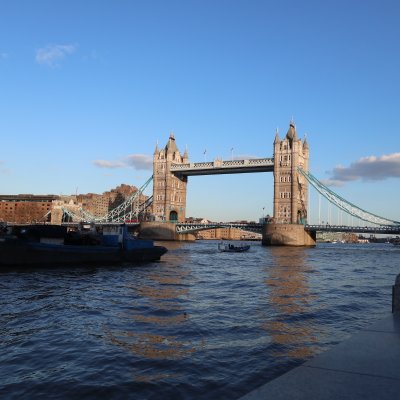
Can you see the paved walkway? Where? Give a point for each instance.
(366, 366)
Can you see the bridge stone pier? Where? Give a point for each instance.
(163, 230)
(287, 235)
(171, 170)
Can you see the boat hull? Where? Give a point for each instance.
(233, 249)
(20, 253)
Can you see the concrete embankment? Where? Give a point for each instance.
(366, 366)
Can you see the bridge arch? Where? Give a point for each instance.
(173, 216)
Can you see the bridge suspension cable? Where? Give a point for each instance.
(343, 204)
(125, 211)
(119, 214)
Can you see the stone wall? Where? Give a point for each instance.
(162, 231)
(287, 235)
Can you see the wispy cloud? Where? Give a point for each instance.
(140, 161)
(137, 161)
(332, 182)
(109, 164)
(91, 56)
(53, 54)
(3, 168)
(370, 168)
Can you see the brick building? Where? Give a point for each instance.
(29, 208)
(26, 208)
(227, 233)
(100, 204)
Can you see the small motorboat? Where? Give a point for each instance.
(230, 248)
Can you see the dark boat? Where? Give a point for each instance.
(396, 241)
(50, 245)
(230, 248)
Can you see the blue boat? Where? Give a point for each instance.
(50, 245)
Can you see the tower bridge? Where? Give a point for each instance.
(171, 170)
(288, 225)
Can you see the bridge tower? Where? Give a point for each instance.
(290, 193)
(290, 187)
(169, 190)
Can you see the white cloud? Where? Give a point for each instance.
(91, 56)
(109, 164)
(137, 161)
(51, 55)
(332, 182)
(140, 161)
(370, 168)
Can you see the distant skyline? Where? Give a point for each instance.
(88, 88)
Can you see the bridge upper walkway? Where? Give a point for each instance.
(224, 167)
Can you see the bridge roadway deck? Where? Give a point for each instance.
(366, 367)
(257, 227)
(218, 167)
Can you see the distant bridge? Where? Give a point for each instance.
(385, 230)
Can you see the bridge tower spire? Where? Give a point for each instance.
(290, 187)
(169, 190)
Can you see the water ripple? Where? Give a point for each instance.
(197, 325)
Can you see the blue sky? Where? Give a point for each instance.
(87, 88)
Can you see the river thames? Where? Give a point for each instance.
(197, 325)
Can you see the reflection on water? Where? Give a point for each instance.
(157, 307)
(151, 346)
(290, 297)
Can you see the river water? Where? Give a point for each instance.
(197, 325)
